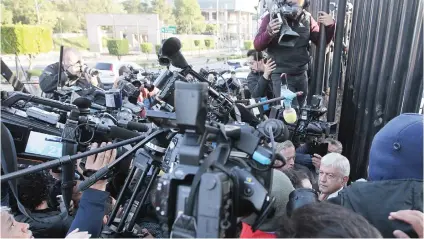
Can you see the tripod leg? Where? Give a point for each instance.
(132, 199)
(120, 197)
(143, 199)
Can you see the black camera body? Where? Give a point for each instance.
(209, 187)
(309, 127)
(282, 10)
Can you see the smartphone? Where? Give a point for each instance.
(320, 149)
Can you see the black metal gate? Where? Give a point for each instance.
(384, 75)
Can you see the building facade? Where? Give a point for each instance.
(234, 18)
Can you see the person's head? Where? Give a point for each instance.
(298, 179)
(72, 61)
(326, 220)
(33, 190)
(255, 60)
(124, 70)
(288, 151)
(11, 228)
(281, 189)
(334, 146)
(333, 173)
(397, 149)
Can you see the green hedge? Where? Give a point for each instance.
(146, 47)
(197, 43)
(209, 43)
(157, 48)
(118, 47)
(248, 45)
(25, 39)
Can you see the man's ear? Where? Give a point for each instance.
(345, 180)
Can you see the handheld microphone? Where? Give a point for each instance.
(289, 115)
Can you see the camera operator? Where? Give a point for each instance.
(74, 73)
(293, 61)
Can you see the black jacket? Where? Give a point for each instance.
(376, 200)
(259, 86)
(54, 224)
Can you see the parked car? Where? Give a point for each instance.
(237, 63)
(108, 71)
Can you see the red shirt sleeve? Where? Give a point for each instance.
(262, 39)
(247, 232)
(315, 32)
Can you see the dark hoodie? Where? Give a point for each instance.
(395, 171)
(376, 200)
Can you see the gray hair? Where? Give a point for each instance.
(338, 161)
(336, 143)
(284, 145)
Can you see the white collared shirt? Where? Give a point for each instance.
(335, 194)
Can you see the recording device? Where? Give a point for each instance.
(309, 127)
(282, 9)
(221, 106)
(318, 148)
(237, 189)
(128, 90)
(90, 71)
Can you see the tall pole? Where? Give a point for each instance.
(319, 74)
(37, 11)
(217, 21)
(337, 55)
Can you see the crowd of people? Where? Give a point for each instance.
(386, 204)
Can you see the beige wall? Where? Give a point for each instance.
(147, 25)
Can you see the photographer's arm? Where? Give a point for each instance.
(263, 38)
(48, 79)
(329, 30)
(92, 205)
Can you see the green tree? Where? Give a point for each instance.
(164, 10)
(211, 29)
(6, 15)
(23, 11)
(118, 48)
(188, 17)
(136, 6)
(66, 23)
(146, 48)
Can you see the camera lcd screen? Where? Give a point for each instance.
(44, 144)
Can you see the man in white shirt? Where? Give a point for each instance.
(333, 175)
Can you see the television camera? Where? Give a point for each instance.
(284, 10)
(222, 108)
(309, 127)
